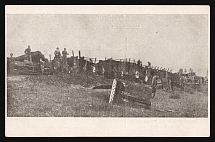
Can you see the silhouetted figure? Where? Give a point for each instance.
(65, 56)
(57, 53)
(28, 53)
(11, 64)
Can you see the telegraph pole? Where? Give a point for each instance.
(50, 57)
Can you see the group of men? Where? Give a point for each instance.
(58, 55)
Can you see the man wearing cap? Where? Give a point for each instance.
(28, 53)
(57, 53)
(65, 56)
(11, 64)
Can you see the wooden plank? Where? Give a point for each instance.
(79, 54)
(73, 53)
(113, 91)
(135, 99)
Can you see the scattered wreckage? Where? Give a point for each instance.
(38, 64)
(119, 92)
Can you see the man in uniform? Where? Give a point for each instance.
(65, 56)
(11, 64)
(28, 53)
(57, 53)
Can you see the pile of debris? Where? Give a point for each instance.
(38, 64)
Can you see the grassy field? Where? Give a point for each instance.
(72, 96)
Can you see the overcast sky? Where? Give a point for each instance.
(168, 41)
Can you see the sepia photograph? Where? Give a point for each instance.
(107, 65)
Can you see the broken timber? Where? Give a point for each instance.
(118, 93)
(131, 98)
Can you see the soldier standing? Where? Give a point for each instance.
(57, 53)
(11, 64)
(65, 56)
(28, 53)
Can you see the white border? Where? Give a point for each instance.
(107, 9)
(61, 126)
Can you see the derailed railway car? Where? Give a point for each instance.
(38, 64)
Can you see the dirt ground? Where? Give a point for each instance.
(72, 96)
